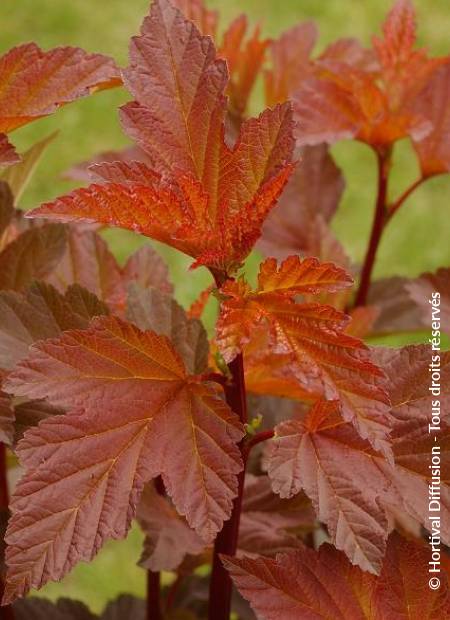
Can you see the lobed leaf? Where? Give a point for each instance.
(307, 584)
(136, 414)
(310, 337)
(212, 199)
(52, 78)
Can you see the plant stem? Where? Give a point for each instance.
(226, 541)
(7, 612)
(406, 194)
(153, 596)
(379, 221)
(258, 438)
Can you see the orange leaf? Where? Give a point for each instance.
(321, 357)
(51, 79)
(212, 199)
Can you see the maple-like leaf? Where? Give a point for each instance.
(310, 335)
(308, 584)
(434, 103)
(303, 456)
(51, 79)
(31, 256)
(41, 609)
(424, 289)
(326, 458)
(245, 57)
(38, 313)
(212, 199)
(152, 309)
(137, 414)
(299, 223)
(290, 62)
(342, 101)
(168, 537)
(8, 155)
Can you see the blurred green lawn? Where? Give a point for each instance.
(417, 240)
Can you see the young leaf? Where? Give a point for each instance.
(325, 360)
(244, 59)
(31, 256)
(205, 19)
(434, 103)
(342, 101)
(52, 78)
(213, 199)
(137, 415)
(308, 584)
(290, 62)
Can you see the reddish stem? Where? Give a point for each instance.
(6, 613)
(153, 596)
(154, 578)
(379, 221)
(406, 194)
(258, 438)
(226, 541)
(173, 591)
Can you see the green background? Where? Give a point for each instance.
(417, 239)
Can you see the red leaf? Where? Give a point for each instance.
(319, 455)
(205, 19)
(31, 256)
(298, 225)
(244, 59)
(51, 79)
(125, 606)
(290, 62)
(141, 415)
(148, 270)
(88, 262)
(312, 585)
(168, 537)
(397, 312)
(41, 312)
(152, 309)
(268, 523)
(352, 101)
(8, 155)
(433, 102)
(213, 199)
